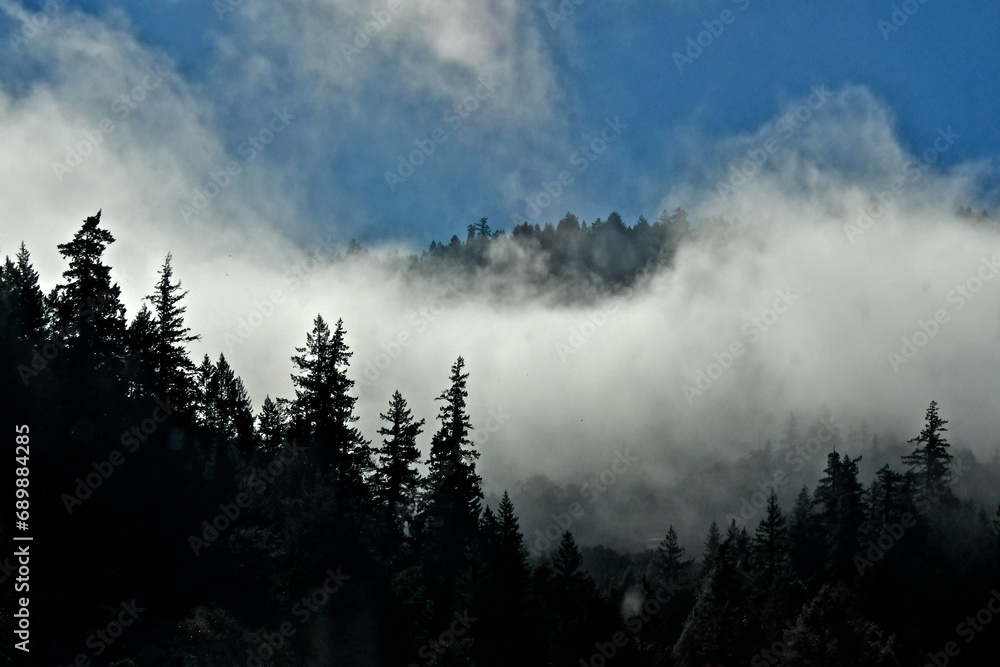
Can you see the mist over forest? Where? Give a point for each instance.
(560, 334)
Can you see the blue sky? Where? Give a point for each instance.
(562, 80)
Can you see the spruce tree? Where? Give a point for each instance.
(805, 537)
(22, 326)
(324, 409)
(770, 544)
(271, 427)
(88, 315)
(396, 475)
(567, 559)
(25, 300)
(710, 557)
(234, 409)
(840, 497)
(206, 391)
(504, 594)
(930, 461)
(223, 405)
(454, 494)
(140, 338)
(489, 530)
(669, 565)
(172, 365)
(887, 500)
(512, 556)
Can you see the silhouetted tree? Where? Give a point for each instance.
(396, 477)
(172, 366)
(669, 564)
(323, 409)
(272, 426)
(87, 312)
(930, 461)
(770, 544)
(450, 516)
(839, 496)
(807, 548)
(567, 559)
(711, 553)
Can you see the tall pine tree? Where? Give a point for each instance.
(930, 461)
(88, 314)
(454, 495)
(323, 409)
(396, 476)
(171, 364)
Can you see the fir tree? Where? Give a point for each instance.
(396, 476)
(770, 544)
(272, 425)
(139, 340)
(805, 537)
(172, 366)
(669, 565)
(454, 492)
(567, 559)
(512, 556)
(930, 461)
(324, 409)
(87, 310)
(840, 497)
(710, 556)
(23, 300)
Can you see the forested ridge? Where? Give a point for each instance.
(282, 535)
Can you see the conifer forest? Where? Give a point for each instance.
(489, 333)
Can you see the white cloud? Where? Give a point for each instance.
(623, 386)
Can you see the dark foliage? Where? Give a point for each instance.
(284, 538)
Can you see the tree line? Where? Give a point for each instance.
(285, 536)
